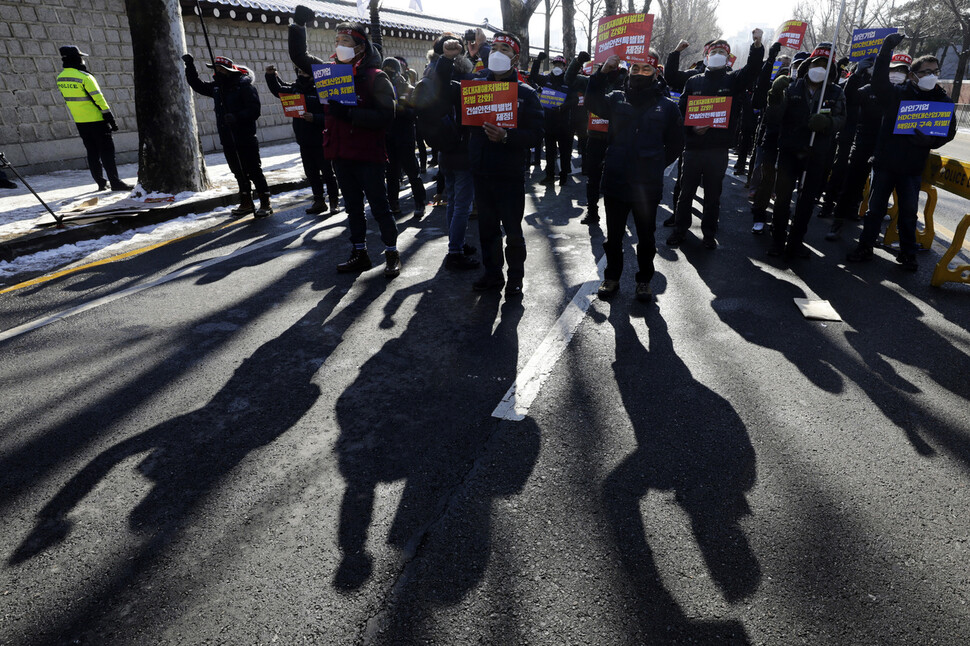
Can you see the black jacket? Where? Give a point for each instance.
(868, 115)
(438, 102)
(235, 95)
(643, 139)
(902, 153)
(308, 133)
(677, 78)
(721, 83)
(793, 112)
(508, 160)
(558, 120)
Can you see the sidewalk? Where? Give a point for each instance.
(26, 227)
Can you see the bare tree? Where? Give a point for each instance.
(551, 6)
(169, 155)
(692, 20)
(960, 14)
(515, 19)
(589, 12)
(569, 28)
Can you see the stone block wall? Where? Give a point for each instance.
(36, 130)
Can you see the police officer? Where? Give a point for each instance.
(92, 116)
(646, 135)
(899, 160)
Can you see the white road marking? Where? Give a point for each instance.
(516, 402)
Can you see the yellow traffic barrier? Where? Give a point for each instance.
(952, 176)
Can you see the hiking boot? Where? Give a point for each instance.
(359, 261)
(245, 207)
(608, 288)
(264, 210)
(488, 282)
(118, 185)
(460, 262)
(319, 206)
(835, 231)
(860, 254)
(644, 293)
(392, 265)
(908, 261)
(675, 239)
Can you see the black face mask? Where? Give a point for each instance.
(641, 88)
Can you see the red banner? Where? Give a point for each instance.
(792, 33)
(598, 124)
(712, 111)
(626, 35)
(489, 102)
(294, 105)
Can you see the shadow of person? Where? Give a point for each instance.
(187, 456)
(419, 411)
(696, 446)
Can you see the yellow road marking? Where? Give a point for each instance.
(122, 256)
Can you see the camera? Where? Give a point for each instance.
(470, 36)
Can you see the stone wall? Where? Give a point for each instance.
(36, 130)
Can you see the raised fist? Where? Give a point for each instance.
(681, 46)
(541, 56)
(302, 15)
(188, 59)
(756, 35)
(271, 69)
(892, 40)
(775, 49)
(611, 64)
(583, 57)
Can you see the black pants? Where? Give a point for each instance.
(762, 195)
(583, 144)
(701, 168)
(100, 147)
(242, 153)
(745, 144)
(358, 179)
(319, 171)
(595, 154)
(501, 205)
(559, 144)
(856, 174)
(836, 178)
(645, 224)
(790, 169)
(398, 159)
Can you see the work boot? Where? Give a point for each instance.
(245, 207)
(319, 206)
(908, 261)
(264, 210)
(359, 261)
(118, 185)
(608, 289)
(644, 293)
(392, 267)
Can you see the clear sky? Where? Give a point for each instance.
(733, 15)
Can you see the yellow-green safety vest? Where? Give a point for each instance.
(83, 96)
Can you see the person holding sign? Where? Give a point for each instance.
(308, 130)
(807, 132)
(646, 135)
(706, 143)
(557, 100)
(354, 136)
(498, 156)
(918, 117)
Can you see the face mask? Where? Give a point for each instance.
(345, 54)
(716, 61)
(816, 74)
(557, 71)
(499, 62)
(897, 77)
(927, 82)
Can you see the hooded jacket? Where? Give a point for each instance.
(361, 137)
(234, 94)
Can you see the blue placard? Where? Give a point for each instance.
(930, 117)
(775, 67)
(551, 98)
(335, 81)
(866, 42)
(674, 95)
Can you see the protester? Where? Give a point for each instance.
(355, 138)
(92, 117)
(401, 142)
(308, 130)
(558, 130)
(705, 157)
(899, 159)
(5, 181)
(237, 109)
(646, 135)
(498, 157)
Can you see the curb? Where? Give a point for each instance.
(53, 238)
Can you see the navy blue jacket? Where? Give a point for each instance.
(507, 160)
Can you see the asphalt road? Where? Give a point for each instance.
(223, 441)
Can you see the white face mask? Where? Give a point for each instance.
(557, 71)
(927, 82)
(345, 54)
(816, 74)
(716, 61)
(897, 77)
(499, 62)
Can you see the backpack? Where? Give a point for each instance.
(436, 123)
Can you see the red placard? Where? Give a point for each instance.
(792, 33)
(626, 35)
(489, 102)
(294, 105)
(589, 68)
(598, 124)
(712, 111)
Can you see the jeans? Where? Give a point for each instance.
(790, 169)
(701, 167)
(100, 148)
(358, 179)
(907, 192)
(501, 205)
(460, 193)
(645, 224)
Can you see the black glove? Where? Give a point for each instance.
(583, 57)
(541, 56)
(843, 62)
(774, 50)
(819, 122)
(302, 15)
(229, 118)
(864, 64)
(188, 59)
(110, 120)
(922, 139)
(338, 109)
(893, 40)
(777, 90)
